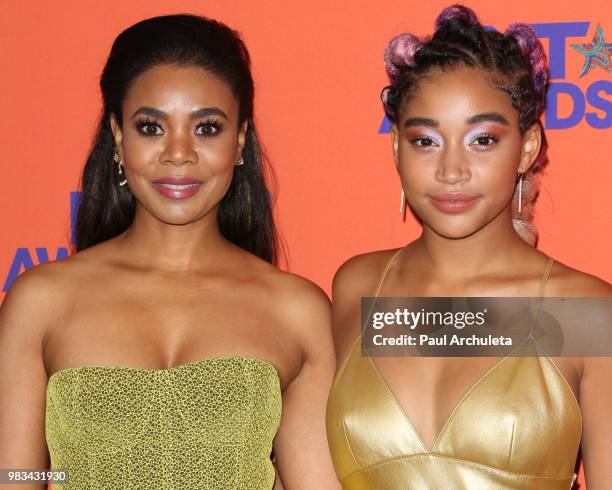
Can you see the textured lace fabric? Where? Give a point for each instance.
(203, 425)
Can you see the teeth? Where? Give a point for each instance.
(178, 187)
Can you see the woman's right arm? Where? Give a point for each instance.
(28, 309)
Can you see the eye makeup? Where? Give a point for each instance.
(143, 126)
(481, 138)
(425, 139)
(151, 127)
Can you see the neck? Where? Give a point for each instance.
(174, 248)
(489, 250)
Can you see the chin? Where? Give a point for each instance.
(176, 221)
(177, 218)
(454, 231)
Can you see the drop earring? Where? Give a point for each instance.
(403, 203)
(117, 160)
(240, 162)
(520, 193)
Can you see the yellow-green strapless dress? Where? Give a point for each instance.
(203, 425)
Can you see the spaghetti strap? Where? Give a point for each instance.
(544, 280)
(384, 272)
(540, 295)
(383, 275)
(354, 348)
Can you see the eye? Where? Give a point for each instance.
(423, 142)
(149, 128)
(208, 128)
(485, 140)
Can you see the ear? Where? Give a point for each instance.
(117, 134)
(395, 144)
(531, 143)
(241, 139)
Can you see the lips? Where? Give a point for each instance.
(453, 203)
(177, 187)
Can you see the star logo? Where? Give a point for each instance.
(597, 52)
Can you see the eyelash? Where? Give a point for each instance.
(414, 142)
(491, 137)
(493, 140)
(210, 123)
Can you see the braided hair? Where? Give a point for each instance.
(515, 62)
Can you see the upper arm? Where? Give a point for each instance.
(596, 406)
(25, 313)
(595, 392)
(300, 446)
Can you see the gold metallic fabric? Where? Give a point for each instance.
(517, 427)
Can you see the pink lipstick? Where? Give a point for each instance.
(177, 187)
(453, 203)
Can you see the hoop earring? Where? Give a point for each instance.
(117, 160)
(403, 203)
(520, 193)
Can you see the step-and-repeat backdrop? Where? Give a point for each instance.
(319, 71)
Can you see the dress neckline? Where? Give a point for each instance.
(473, 386)
(68, 370)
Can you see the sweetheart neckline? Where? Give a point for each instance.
(449, 419)
(164, 370)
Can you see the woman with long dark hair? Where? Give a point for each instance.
(163, 353)
(468, 145)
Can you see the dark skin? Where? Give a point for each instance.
(170, 290)
(443, 143)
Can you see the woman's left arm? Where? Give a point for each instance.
(596, 408)
(302, 454)
(595, 392)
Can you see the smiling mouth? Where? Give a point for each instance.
(178, 187)
(177, 191)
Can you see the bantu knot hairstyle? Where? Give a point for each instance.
(514, 60)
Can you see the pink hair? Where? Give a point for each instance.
(400, 55)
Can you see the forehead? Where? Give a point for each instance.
(457, 94)
(180, 88)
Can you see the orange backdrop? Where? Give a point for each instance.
(319, 71)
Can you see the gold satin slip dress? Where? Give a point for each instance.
(517, 427)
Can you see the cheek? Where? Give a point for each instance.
(140, 151)
(499, 173)
(417, 169)
(218, 154)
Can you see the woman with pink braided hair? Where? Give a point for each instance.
(468, 145)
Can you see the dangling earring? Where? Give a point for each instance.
(403, 203)
(520, 193)
(117, 160)
(239, 162)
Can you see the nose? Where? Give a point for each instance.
(178, 150)
(453, 166)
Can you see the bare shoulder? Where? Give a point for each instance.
(44, 292)
(359, 275)
(302, 306)
(32, 306)
(566, 281)
(356, 278)
(38, 289)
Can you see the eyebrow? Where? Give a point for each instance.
(488, 116)
(485, 116)
(205, 111)
(420, 121)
